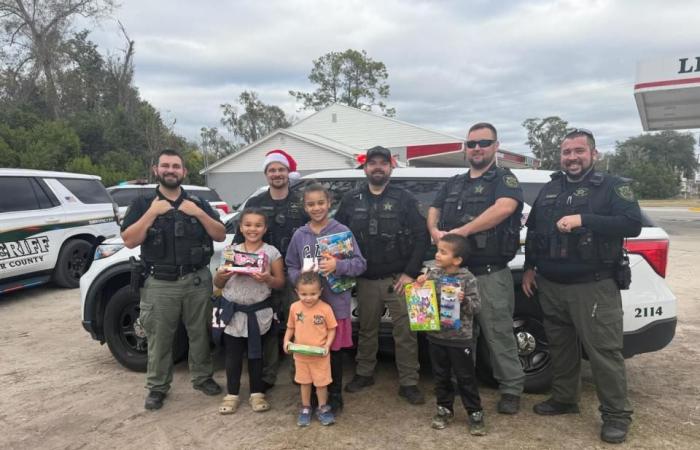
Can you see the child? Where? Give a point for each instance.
(311, 322)
(253, 317)
(303, 248)
(450, 349)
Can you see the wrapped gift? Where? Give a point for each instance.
(339, 246)
(242, 262)
(310, 350)
(422, 307)
(450, 288)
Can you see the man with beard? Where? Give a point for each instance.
(175, 231)
(485, 205)
(285, 214)
(574, 259)
(392, 237)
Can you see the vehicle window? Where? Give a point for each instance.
(124, 197)
(22, 198)
(87, 191)
(48, 192)
(41, 195)
(530, 191)
(208, 195)
(424, 191)
(338, 188)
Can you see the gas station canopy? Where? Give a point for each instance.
(667, 92)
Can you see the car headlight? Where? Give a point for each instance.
(106, 250)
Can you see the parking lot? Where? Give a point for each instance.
(61, 389)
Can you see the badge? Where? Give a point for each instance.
(581, 192)
(479, 188)
(624, 191)
(510, 181)
(388, 206)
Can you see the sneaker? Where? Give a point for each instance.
(325, 415)
(209, 387)
(508, 404)
(477, 427)
(304, 417)
(412, 394)
(442, 417)
(335, 401)
(551, 407)
(614, 431)
(154, 400)
(358, 383)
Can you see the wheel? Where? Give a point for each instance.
(73, 261)
(127, 343)
(533, 351)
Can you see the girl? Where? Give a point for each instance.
(253, 317)
(304, 248)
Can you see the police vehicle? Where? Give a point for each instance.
(50, 224)
(649, 305)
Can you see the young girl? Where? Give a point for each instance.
(253, 317)
(304, 247)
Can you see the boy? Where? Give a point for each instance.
(450, 348)
(311, 322)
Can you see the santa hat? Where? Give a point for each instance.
(282, 157)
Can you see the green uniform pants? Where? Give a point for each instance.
(587, 315)
(495, 326)
(163, 305)
(372, 295)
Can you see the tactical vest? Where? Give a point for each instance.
(177, 239)
(380, 227)
(466, 199)
(283, 219)
(554, 202)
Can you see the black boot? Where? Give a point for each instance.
(335, 389)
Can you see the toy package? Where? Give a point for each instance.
(422, 307)
(242, 262)
(339, 246)
(450, 288)
(310, 350)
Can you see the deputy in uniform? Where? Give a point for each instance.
(392, 237)
(485, 206)
(574, 259)
(285, 214)
(175, 231)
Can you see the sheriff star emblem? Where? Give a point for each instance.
(388, 206)
(479, 188)
(581, 192)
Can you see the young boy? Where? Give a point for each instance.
(450, 348)
(311, 322)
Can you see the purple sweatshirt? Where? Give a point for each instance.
(304, 245)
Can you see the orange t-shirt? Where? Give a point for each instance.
(311, 325)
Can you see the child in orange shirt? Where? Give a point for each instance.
(311, 322)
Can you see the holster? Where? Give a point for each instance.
(138, 275)
(623, 273)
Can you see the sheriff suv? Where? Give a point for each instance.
(649, 306)
(50, 225)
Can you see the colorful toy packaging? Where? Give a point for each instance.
(422, 307)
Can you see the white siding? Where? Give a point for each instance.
(309, 157)
(362, 130)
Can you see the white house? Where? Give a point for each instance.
(331, 139)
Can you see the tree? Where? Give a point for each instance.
(36, 32)
(544, 137)
(351, 78)
(257, 120)
(214, 145)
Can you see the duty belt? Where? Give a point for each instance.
(488, 268)
(584, 278)
(171, 273)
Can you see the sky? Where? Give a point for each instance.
(450, 63)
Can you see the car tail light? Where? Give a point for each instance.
(655, 251)
(223, 207)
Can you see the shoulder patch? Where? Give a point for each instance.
(510, 181)
(624, 191)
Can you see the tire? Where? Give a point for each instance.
(73, 261)
(533, 351)
(130, 350)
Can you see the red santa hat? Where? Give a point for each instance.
(282, 157)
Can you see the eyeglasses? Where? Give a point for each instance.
(573, 131)
(483, 143)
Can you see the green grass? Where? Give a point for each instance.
(677, 202)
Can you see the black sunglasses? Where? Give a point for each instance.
(483, 143)
(585, 131)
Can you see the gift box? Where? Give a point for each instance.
(242, 262)
(422, 307)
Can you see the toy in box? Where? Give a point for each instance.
(422, 307)
(309, 350)
(242, 262)
(338, 245)
(450, 288)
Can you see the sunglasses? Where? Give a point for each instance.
(573, 131)
(483, 143)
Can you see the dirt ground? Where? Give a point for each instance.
(60, 389)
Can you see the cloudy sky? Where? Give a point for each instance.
(450, 63)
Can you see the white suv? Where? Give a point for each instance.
(50, 224)
(649, 305)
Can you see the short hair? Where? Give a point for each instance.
(578, 132)
(315, 186)
(170, 152)
(254, 210)
(482, 125)
(309, 277)
(460, 246)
